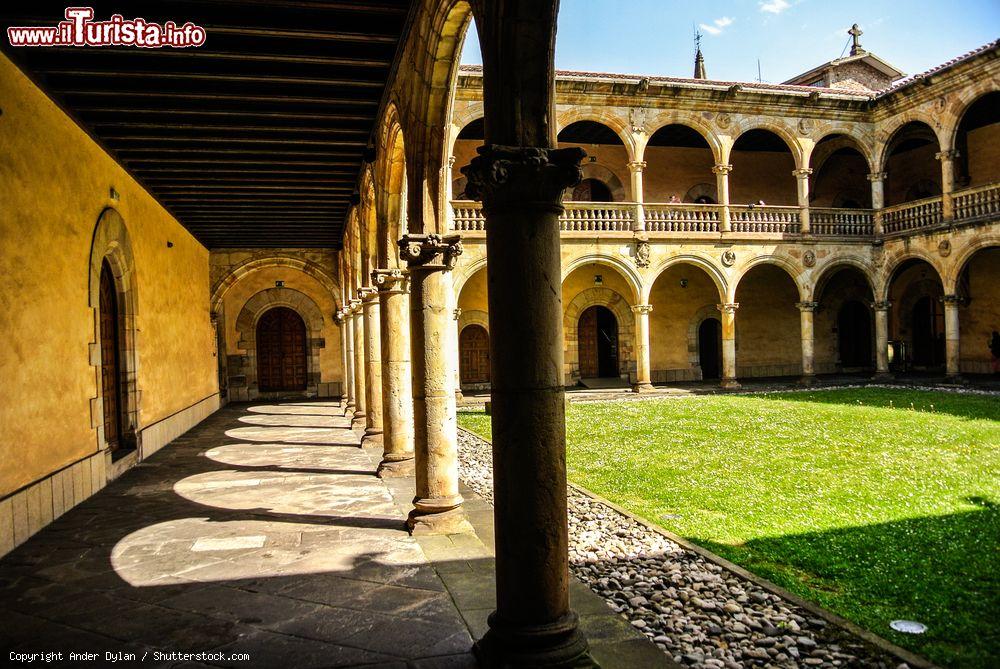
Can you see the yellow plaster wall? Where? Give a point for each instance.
(768, 329)
(330, 358)
(981, 315)
(674, 310)
(474, 295)
(54, 183)
(582, 278)
(984, 155)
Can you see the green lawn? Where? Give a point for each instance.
(877, 504)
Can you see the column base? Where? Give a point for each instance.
(730, 384)
(459, 396)
(557, 644)
(426, 523)
(807, 380)
(394, 467)
(349, 409)
(643, 388)
(358, 413)
(371, 438)
(883, 376)
(358, 422)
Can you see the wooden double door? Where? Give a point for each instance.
(474, 355)
(111, 368)
(597, 336)
(281, 351)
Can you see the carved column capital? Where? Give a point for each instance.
(451, 162)
(807, 306)
(390, 281)
(876, 176)
(339, 315)
(802, 173)
(881, 305)
(430, 252)
(642, 309)
(952, 300)
(722, 169)
(636, 165)
(946, 155)
(457, 313)
(728, 308)
(354, 306)
(522, 176)
(367, 293)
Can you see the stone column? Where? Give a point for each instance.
(722, 188)
(635, 168)
(877, 180)
(520, 177)
(806, 311)
(437, 506)
(947, 159)
(457, 313)
(373, 366)
(728, 312)
(397, 386)
(360, 399)
(802, 189)
(881, 340)
(347, 336)
(951, 337)
(642, 377)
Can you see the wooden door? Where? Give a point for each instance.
(281, 351)
(110, 363)
(587, 341)
(474, 360)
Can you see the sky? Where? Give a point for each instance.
(789, 37)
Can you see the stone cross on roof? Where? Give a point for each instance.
(855, 32)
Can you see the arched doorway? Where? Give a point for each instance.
(592, 190)
(854, 335)
(598, 339)
(111, 368)
(281, 350)
(474, 355)
(927, 326)
(710, 348)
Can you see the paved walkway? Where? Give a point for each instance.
(264, 531)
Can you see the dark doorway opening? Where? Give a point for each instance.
(710, 348)
(598, 341)
(592, 190)
(854, 334)
(111, 369)
(281, 351)
(928, 332)
(474, 355)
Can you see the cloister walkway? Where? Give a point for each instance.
(265, 531)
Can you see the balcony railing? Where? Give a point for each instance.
(912, 215)
(828, 222)
(682, 217)
(976, 203)
(971, 204)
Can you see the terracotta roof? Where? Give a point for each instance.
(903, 83)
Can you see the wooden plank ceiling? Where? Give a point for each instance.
(255, 138)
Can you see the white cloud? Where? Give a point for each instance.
(774, 6)
(716, 26)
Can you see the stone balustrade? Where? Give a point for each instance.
(970, 205)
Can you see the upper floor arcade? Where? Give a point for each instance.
(689, 158)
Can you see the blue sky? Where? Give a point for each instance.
(788, 36)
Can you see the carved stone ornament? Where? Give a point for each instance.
(728, 258)
(809, 259)
(430, 251)
(390, 280)
(805, 126)
(944, 248)
(367, 293)
(522, 175)
(723, 120)
(642, 253)
(637, 119)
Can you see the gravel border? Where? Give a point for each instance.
(699, 609)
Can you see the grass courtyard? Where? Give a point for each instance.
(877, 504)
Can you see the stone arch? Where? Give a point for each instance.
(892, 266)
(826, 271)
(471, 111)
(620, 307)
(632, 278)
(703, 128)
(841, 139)
(390, 189)
(786, 264)
(951, 274)
(888, 134)
(606, 176)
(473, 317)
(967, 97)
(786, 134)
(252, 265)
(463, 272)
(713, 272)
(607, 117)
(246, 327)
(111, 242)
(694, 354)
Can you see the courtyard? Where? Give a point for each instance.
(876, 503)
